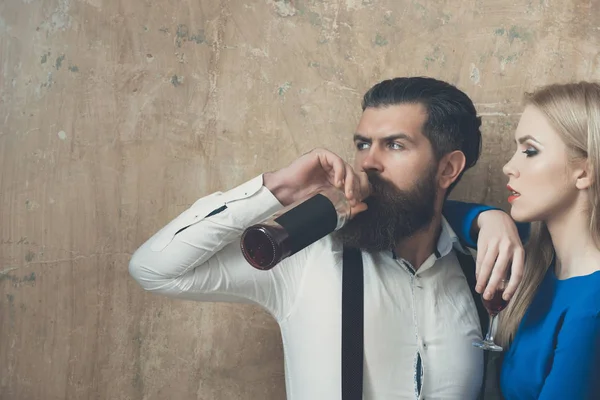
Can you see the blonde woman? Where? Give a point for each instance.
(552, 324)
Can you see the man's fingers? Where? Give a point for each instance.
(358, 208)
(364, 187)
(330, 161)
(349, 184)
(516, 273)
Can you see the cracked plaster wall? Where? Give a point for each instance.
(116, 115)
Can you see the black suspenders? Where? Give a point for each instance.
(352, 325)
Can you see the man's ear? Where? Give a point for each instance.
(583, 175)
(450, 167)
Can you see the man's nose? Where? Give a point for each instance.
(372, 162)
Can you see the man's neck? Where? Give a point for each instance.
(418, 247)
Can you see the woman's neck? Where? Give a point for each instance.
(576, 252)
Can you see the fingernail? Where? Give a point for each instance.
(487, 295)
(478, 288)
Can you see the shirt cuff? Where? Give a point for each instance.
(247, 203)
(251, 203)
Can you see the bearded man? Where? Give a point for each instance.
(415, 138)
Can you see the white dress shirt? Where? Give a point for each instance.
(429, 313)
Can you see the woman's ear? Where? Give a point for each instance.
(450, 167)
(584, 176)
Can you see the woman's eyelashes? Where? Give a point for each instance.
(530, 151)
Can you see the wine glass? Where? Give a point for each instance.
(493, 307)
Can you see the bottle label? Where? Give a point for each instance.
(308, 222)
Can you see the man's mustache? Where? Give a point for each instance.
(379, 184)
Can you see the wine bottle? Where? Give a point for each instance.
(295, 227)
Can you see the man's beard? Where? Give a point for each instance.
(393, 214)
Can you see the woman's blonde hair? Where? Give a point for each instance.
(573, 110)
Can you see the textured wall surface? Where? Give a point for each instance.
(116, 115)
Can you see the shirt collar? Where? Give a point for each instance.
(448, 240)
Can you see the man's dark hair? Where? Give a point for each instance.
(452, 122)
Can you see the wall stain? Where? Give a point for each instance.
(315, 19)
(176, 80)
(508, 59)
(284, 88)
(445, 18)
(11, 309)
(31, 278)
(182, 34)
(514, 33)
(475, 75)
(380, 40)
(199, 37)
(434, 57)
(388, 19)
(31, 205)
(420, 8)
(285, 8)
(59, 61)
(138, 380)
(29, 256)
(45, 58)
(73, 68)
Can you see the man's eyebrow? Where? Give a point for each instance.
(360, 138)
(397, 136)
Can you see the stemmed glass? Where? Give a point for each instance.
(493, 307)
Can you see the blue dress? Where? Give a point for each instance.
(556, 350)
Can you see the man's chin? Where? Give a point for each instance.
(368, 238)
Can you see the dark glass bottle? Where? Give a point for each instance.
(295, 227)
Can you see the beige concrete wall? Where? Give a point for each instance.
(116, 115)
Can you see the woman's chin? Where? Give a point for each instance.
(519, 215)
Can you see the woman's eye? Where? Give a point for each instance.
(530, 151)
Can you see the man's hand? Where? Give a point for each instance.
(498, 246)
(314, 170)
